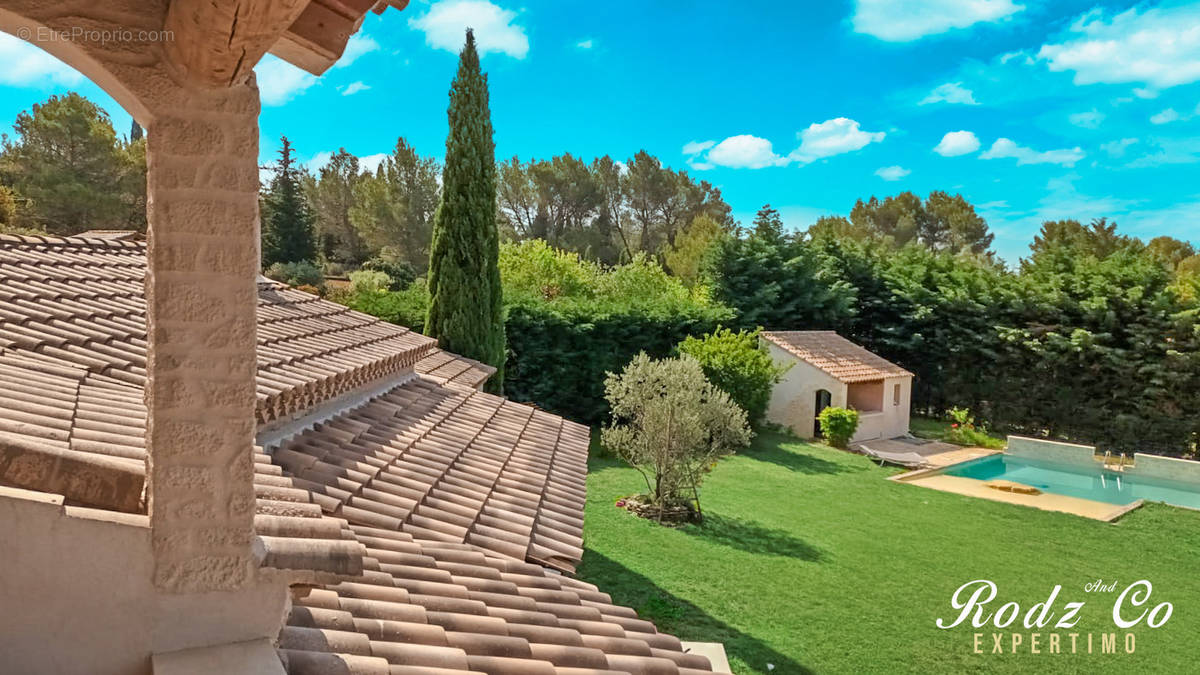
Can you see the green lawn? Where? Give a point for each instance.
(810, 560)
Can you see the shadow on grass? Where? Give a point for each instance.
(772, 450)
(679, 617)
(751, 538)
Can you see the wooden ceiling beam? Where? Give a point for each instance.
(317, 38)
(217, 43)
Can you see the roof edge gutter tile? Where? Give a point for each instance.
(96, 480)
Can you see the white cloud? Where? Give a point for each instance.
(584, 44)
(1145, 92)
(1088, 120)
(356, 46)
(1021, 55)
(957, 143)
(1117, 148)
(318, 160)
(446, 22)
(744, 152)
(905, 20)
(1004, 148)
(353, 88)
(832, 137)
(892, 172)
(951, 92)
(280, 81)
(372, 162)
(1164, 117)
(26, 65)
(1159, 47)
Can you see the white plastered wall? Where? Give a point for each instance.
(793, 400)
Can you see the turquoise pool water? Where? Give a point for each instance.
(1085, 482)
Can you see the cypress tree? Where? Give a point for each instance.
(465, 310)
(288, 232)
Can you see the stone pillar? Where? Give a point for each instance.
(201, 297)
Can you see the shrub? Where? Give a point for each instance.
(400, 273)
(405, 308)
(305, 288)
(570, 322)
(302, 273)
(368, 280)
(964, 430)
(838, 425)
(535, 268)
(672, 425)
(739, 365)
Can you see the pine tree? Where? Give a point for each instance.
(768, 225)
(288, 233)
(67, 168)
(465, 311)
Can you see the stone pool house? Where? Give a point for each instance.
(825, 369)
(202, 471)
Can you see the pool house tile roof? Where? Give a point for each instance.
(834, 354)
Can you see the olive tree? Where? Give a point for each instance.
(671, 424)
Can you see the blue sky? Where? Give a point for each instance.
(1031, 109)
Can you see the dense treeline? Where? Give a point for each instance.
(607, 211)
(1096, 338)
(570, 321)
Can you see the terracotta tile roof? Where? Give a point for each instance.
(454, 369)
(452, 465)
(311, 350)
(835, 355)
(407, 520)
(82, 303)
(425, 607)
(110, 234)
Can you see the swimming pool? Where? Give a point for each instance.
(1084, 482)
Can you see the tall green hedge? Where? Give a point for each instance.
(570, 322)
(558, 356)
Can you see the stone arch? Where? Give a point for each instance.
(39, 27)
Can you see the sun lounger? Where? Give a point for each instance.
(908, 459)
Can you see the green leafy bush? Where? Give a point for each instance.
(369, 280)
(302, 273)
(739, 365)
(400, 273)
(838, 425)
(535, 268)
(406, 308)
(965, 431)
(672, 425)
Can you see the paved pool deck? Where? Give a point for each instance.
(1087, 508)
